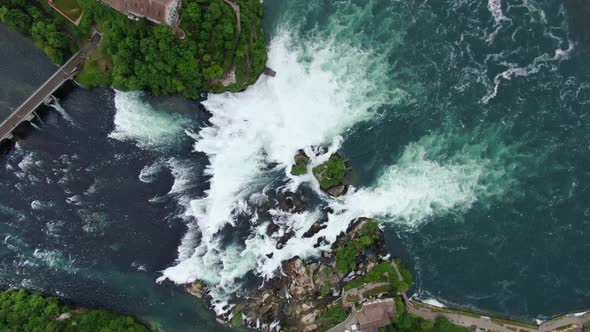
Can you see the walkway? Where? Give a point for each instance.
(236, 9)
(25, 111)
(466, 319)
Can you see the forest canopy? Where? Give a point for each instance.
(23, 311)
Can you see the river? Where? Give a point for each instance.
(466, 123)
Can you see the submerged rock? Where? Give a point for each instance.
(291, 202)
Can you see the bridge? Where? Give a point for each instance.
(66, 72)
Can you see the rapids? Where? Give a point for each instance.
(466, 124)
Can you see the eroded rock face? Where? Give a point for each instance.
(197, 289)
(301, 292)
(338, 190)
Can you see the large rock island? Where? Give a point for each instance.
(319, 294)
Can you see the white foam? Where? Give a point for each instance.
(322, 89)
(40, 205)
(183, 173)
(495, 7)
(149, 173)
(307, 104)
(55, 260)
(434, 302)
(138, 121)
(55, 104)
(514, 70)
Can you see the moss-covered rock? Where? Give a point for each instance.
(300, 166)
(330, 175)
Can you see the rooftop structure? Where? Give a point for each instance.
(157, 11)
(375, 315)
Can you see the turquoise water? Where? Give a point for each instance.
(465, 121)
(494, 124)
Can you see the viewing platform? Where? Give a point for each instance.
(66, 72)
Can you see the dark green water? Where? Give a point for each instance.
(467, 128)
(510, 96)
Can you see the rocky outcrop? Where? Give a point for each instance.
(296, 298)
(331, 175)
(197, 289)
(300, 166)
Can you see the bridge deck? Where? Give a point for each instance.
(67, 71)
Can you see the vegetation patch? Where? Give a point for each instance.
(382, 272)
(298, 170)
(27, 18)
(22, 311)
(346, 255)
(353, 298)
(300, 167)
(378, 290)
(325, 289)
(70, 8)
(407, 322)
(330, 173)
(140, 55)
(334, 315)
(97, 70)
(516, 323)
(408, 280)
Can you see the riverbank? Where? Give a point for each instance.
(222, 49)
(23, 311)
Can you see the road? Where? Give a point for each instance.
(64, 73)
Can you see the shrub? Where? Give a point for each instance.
(330, 173)
(382, 272)
(298, 170)
(334, 315)
(346, 256)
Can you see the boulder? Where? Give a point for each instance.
(198, 289)
(338, 190)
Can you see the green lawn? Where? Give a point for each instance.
(69, 7)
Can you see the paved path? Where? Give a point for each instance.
(236, 9)
(66, 72)
(359, 291)
(352, 319)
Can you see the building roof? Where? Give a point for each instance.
(154, 10)
(373, 316)
(118, 5)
